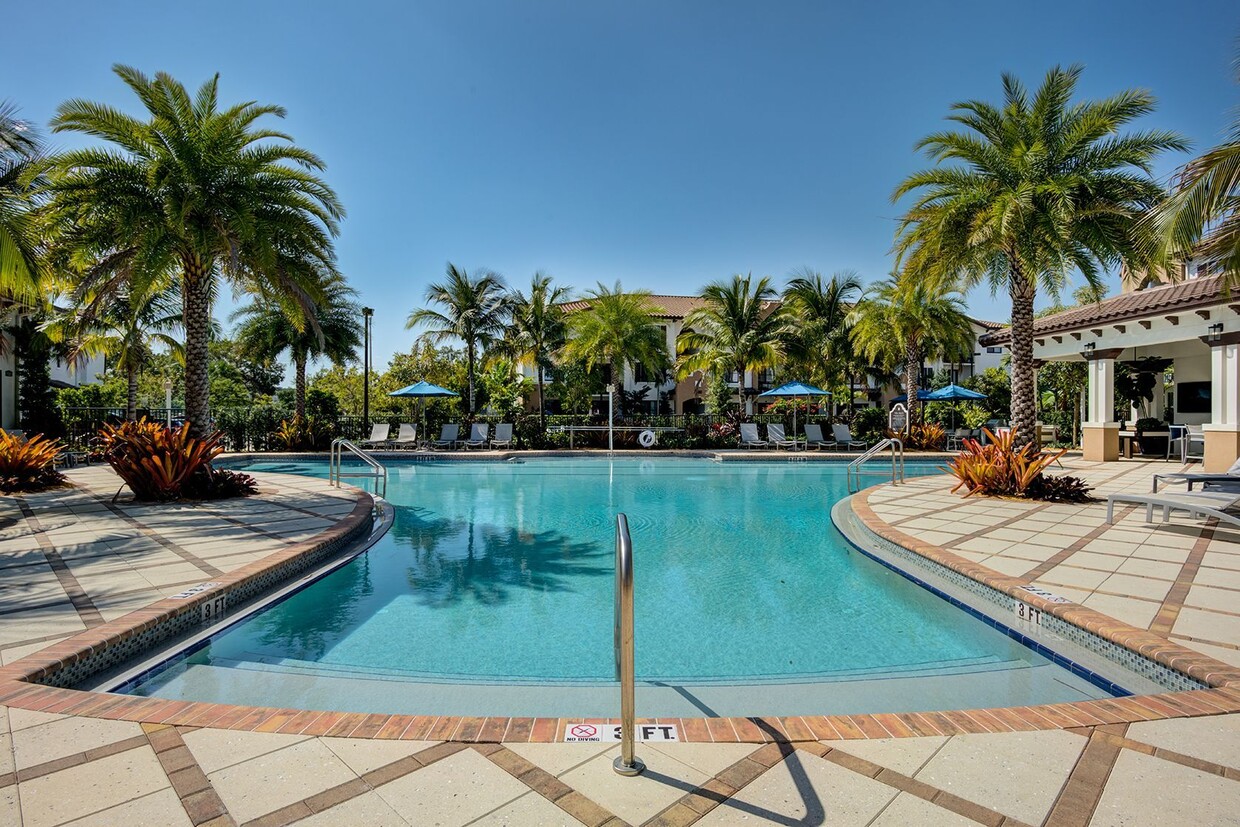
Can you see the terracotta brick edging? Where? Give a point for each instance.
(18, 689)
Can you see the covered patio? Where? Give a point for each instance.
(1193, 327)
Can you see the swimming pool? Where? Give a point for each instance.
(493, 588)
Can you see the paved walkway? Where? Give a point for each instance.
(69, 561)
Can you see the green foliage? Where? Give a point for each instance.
(22, 266)
(575, 385)
(869, 424)
(972, 415)
(1059, 489)
(1001, 467)
(718, 394)
(997, 385)
(1149, 423)
(505, 390)
(618, 330)
(227, 392)
(737, 328)
(36, 400)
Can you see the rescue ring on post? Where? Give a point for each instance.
(647, 438)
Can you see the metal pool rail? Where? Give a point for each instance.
(856, 468)
(626, 763)
(375, 470)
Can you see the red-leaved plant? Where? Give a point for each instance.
(999, 468)
(157, 462)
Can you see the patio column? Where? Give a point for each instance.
(1222, 432)
(1100, 431)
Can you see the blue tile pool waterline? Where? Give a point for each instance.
(502, 573)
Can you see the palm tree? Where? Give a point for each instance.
(740, 327)
(198, 188)
(618, 330)
(817, 344)
(902, 319)
(268, 329)
(1029, 192)
(475, 309)
(536, 330)
(21, 167)
(1202, 216)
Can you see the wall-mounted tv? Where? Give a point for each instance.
(1192, 397)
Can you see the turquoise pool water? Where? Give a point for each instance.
(502, 573)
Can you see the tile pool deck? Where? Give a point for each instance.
(74, 568)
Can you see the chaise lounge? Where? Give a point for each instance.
(1228, 480)
(1198, 504)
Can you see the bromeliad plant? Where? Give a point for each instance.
(1001, 468)
(28, 465)
(158, 462)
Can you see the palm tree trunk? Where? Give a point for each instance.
(618, 383)
(131, 399)
(912, 362)
(1024, 410)
(542, 403)
(469, 370)
(196, 312)
(299, 369)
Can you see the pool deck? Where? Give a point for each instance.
(77, 570)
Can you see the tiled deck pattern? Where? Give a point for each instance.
(1107, 763)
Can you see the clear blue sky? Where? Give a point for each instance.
(662, 144)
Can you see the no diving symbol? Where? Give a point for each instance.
(584, 731)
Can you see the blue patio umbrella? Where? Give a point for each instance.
(423, 390)
(954, 393)
(922, 396)
(794, 389)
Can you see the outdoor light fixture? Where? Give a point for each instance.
(1090, 347)
(1216, 333)
(367, 313)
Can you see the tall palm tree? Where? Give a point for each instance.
(1202, 216)
(902, 319)
(199, 188)
(21, 165)
(739, 327)
(537, 329)
(475, 309)
(267, 329)
(817, 344)
(618, 330)
(1026, 193)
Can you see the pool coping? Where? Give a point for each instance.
(20, 686)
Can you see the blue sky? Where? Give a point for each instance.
(662, 144)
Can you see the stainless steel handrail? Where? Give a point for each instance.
(626, 763)
(378, 471)
(855, 468)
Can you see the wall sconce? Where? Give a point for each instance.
(1090, 347)
(1216, 333)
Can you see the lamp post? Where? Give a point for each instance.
(611, 415)
(367, 313)
(168, 401)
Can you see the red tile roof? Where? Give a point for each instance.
(1187, 295)
(668, 307)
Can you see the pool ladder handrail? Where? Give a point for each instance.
(626, 763)
(856, 468)
(375, 469)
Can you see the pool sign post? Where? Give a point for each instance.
(611, 416)
(897, 420)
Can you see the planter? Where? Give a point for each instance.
(1153, 442)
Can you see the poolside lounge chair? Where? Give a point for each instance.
(956, 441)
(813, 437)
(407, 437)
(448, 435)
(844, 438)
(503, 435)
(478, 435)
(749, 436)
(1197, 503)
(1229, 479)
(775, 436)
(378, 435)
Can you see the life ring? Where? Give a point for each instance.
(647, 438)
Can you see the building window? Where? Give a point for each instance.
(994, 350)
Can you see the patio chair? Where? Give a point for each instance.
(813, 437)
(503, 435)
(955, 442)
(448, 435)
(1194, 444)
(407, 437)
(844, 438)
(775, 436)
(1198, 504)
(479, 435)
(1227, 480)
(378, 435)
(749, 436)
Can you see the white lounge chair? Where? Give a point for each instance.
(844, 438)
(479, 434)
(448, 435)
(1197, 503)
(813, 437)
(406, 437)
(775, 437)
(503, 435)
(956, 441)
(378, 435)
(1228, 479)
(749, 436)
